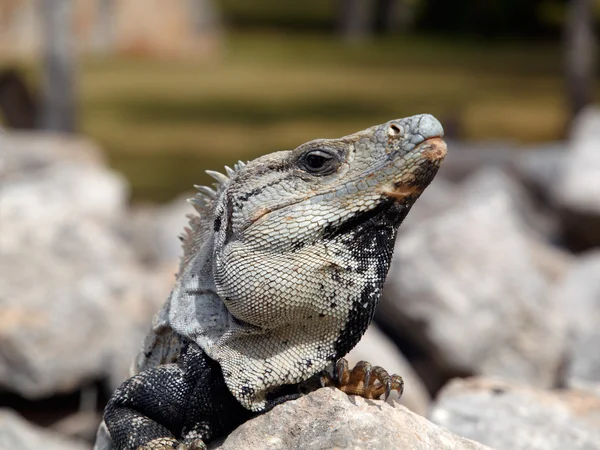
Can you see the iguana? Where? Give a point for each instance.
(281, 274)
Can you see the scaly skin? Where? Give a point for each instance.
(281, 275)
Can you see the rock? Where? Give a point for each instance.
(511, 416)
(465, 287)
(17, 434)
(328, 418)
(437, 198)
(72, 295)
(540, 166)
(579, 297)
(465, 159)
(153, 230)
(376, 348)
(82, 425)
(577, 191)
(29, 157)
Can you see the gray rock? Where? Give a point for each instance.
(466, 158)
(509, 416)
(376, 348)
(540, 166)
(153, 230)
(579, 297)
(328, 418)
(467, 287)
(439, 196)
(17, 434)
(81, 425)
(577, 191)
(71, 293)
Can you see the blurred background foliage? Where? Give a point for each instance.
(281, 73)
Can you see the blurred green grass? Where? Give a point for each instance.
(162, 123)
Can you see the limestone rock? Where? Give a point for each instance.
(467, 287)
(437, 198)
(509, 416)
(328, 418)
(153, 231)
(579, 297)
(71, 293)
(376, 348)
(540, 166)
(17, 434)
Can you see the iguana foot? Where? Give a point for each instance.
(364, 380)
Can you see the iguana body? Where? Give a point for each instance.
(281, 274)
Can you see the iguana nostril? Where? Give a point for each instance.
(394, 130)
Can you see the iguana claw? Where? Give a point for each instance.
(364, 380)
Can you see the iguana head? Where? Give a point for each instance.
(295, 247)
(288, 199)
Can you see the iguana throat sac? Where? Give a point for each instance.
(284, 267)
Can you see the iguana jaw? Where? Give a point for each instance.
(433, 151)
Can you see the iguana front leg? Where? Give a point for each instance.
(364, 380)
(174, 406)
(148, 411)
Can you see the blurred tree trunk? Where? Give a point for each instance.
(355, 19)
(393, 15)
(580, 48)
(205, 16)
(58, 110)
(104, 26)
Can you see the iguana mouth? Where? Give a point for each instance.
(433, 151)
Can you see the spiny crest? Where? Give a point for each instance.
(203, 202)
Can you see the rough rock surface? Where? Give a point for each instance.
(579, 297)
(18, 434)
(467, 287)
(68, 283)
(153, 230)
(328, 418)
(540, 166)
(376, 348)
(578, 190)
(508, 416)
(438, 197)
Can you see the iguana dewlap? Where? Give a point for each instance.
(281, 274)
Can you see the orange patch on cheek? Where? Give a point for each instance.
(402, 192)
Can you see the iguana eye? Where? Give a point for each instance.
(319, 162)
